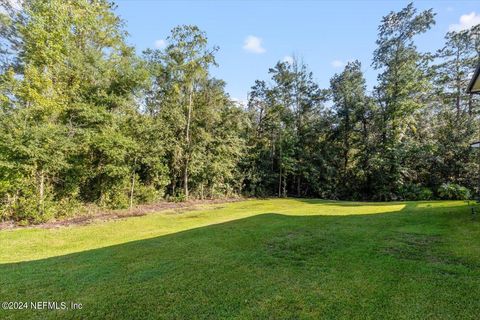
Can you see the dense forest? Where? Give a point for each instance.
(84, 119)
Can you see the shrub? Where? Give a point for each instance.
(115, 198)
(452, 191)
(23, 204)
(68, 207)
(413, 192)
(179, 197)
(146, 194)
(425, 194)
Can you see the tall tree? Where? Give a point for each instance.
(354, 111)
(187, 60)
(401, 84)
(285, 121)
(202, 140)
(68, 81)
(456, 115)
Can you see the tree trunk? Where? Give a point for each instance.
(132, 185)
(346, 139)
(41, 192)
(298, 186)
(187, 140)
(185, 179)
(459, 86)
(470, 111)
(131, 190)
(280, 182)
(457, 102)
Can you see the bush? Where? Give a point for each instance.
(24, 204)
(146, 194)
(179, 197)
(117, 197)
(425, 194)
(68, 207)
(452, 191)
(414, 192)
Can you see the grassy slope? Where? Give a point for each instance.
(254, 259)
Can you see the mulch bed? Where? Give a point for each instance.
(96, 214)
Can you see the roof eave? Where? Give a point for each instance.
(474, 79)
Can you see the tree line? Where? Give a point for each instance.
(84, 119)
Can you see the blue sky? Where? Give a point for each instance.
(254, 35)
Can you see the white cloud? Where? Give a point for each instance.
(288, 59)
(253, 44)
(337, 63)
(239, 102)
(466, 22)
(160, 44)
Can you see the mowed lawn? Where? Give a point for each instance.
(256, 259)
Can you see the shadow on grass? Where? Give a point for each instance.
(265, 266)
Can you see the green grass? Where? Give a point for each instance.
(258, 259)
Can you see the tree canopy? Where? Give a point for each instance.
(84, 119)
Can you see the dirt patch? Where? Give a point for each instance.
(296, 247)
(412, 246)
(94, 214)
(428, 249)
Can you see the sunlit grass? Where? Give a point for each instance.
(36, 243)
(256, 259)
